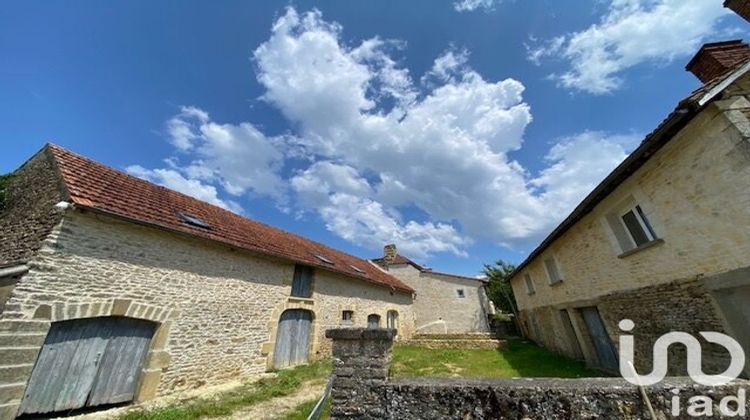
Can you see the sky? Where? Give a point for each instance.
(463, 131)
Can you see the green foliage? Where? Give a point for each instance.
(4, 183)
(519, 358)
(499, 289)
(285, 383)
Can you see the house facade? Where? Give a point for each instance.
(443, 303)
(662, 241)
(138, 291)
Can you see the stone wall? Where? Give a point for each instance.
(437, 307)
(216, 306)
(695, 193)
(30, 212)
(361, 391)
(684, 305)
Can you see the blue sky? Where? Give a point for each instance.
(462, 132)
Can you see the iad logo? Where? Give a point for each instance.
(661, 357)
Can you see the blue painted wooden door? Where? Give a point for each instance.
(292, 338)
(605, 351)
(87, 362)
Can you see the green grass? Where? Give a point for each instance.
(302, 411)
(285, 383)
(520, 358)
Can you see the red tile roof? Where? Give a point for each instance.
(99, 187)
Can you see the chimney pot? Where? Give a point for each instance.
(714, 59)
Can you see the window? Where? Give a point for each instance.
(194, 221)
(529, 284)
(637, 226)
(357, 269)
(302, 282)
(392, 320)
(324, 259)
(347, 317)
(552, 272)
(460, 293)
(373, 321)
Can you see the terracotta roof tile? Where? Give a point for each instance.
(96, 186)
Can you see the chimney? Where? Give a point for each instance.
(389, 253)
(741, 7)
(716, 58)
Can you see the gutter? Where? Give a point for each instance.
(14, 271)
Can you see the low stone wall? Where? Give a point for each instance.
(362, 390)
(456, 341)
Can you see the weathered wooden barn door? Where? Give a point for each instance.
(292, 338)
(80, 354)
(121, 363)
(605, 351)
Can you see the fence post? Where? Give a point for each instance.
(361, 358)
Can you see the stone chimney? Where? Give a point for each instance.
(389, 253)
(716, 58)
(741, 7)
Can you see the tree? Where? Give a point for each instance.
(499, 289)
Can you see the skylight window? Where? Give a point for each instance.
(192, 220)
(324, 259)
(357, 269)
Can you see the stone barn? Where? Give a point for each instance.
(137, 291)
(444, 303)
(662, 241)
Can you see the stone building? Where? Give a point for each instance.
(663, 240)
(443, 303)
(137, 290)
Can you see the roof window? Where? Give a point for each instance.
(192, 220)
(324, 259)
(357, 269)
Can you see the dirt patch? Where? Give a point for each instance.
(176, 398)
(277, 408)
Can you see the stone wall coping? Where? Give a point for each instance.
(551, 384)
(361, 333)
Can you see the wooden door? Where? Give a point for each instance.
(120, 367)
(78, 354)
(292, 338)
(605, 351)
(570, 334)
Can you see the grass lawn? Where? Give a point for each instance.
(285, 383)
(520, 358)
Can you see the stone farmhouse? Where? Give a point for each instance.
(662, 241)
(443, 303)
(136, 290)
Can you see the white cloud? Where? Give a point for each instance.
(384, 159)
(174, 180)
(471, 5)
(238, 156)
(630, 33)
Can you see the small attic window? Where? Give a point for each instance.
(324, 259)
(192, 220)
(357, 269)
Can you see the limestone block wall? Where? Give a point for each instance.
(696, 189)
(217, 307)
(437, 307)
(30, 212)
